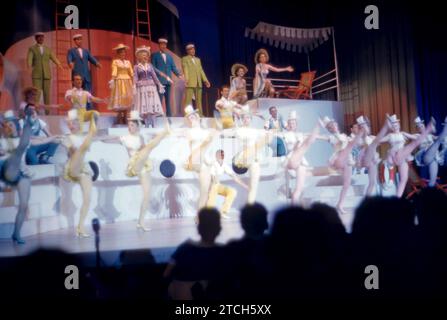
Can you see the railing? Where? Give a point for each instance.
(318, 82)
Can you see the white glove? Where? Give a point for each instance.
(161, 89)
(111, 84)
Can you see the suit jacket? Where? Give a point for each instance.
(271, 124)
(81, 64)
(193, 72)
(167, 67)
(41, 62)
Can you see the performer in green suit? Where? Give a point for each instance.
(38, 59)
(194, 77)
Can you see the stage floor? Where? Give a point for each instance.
(163, 238)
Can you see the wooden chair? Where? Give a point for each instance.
(302, 91)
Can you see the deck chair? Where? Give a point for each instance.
(302, 91)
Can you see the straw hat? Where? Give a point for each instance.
(292, 115)
(72, 115)
(162, 40)
(76, 36)
(393, 119)
(189, 46)
(38, 34)
(326, 121)
(120, 46)
(235, 67)
(259, 52)
(9, 115)
(418, 121)
(143, 49)
(189, 110)
(361, 120)
(134, 115)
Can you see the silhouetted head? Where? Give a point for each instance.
(209, 224)
(254, 220)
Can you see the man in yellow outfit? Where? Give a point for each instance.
(38, 59)
(194, 77)
(79, 98)
(218, 168)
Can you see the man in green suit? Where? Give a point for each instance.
(194, 77)
(38, 59)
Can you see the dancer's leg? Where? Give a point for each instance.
(402, 154)
(403, 178)
(230, 195)
(299, 150)
(76, 161)
(23, 189)
(347, 173)
(12, 164)
(85, 181)
(433, 168)
(204, 185)
(431, 152)
(147, 149)
(372, 179)
(300, 179)
(370, 151)
(145, 180)
(343, 156)
(255, 174)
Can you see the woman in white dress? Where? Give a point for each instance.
(262, 86)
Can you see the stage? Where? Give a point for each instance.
(161, 241)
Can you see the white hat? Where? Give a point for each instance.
(77, 35)
(393, 119)
(143, 49)
(9, 115)
(326, 120)
(134, 115)
(245, 109)
(361, 120)
(37, 34)
(292, 115)
(162, 40)
(189, 46)
(418, 121)
(72, 115)
(189, 110)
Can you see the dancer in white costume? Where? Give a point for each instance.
(342, 159)
(297, 145)
(366, 139)
(427, 153)
(199, 140)
(139, 164)
(399, 153)
(76, 169)
(247, 159)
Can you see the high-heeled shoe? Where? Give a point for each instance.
(17, 240)
(81, 234)
(142, 227)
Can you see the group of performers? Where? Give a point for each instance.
(138, 89)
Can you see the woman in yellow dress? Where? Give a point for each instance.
(121, 85)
